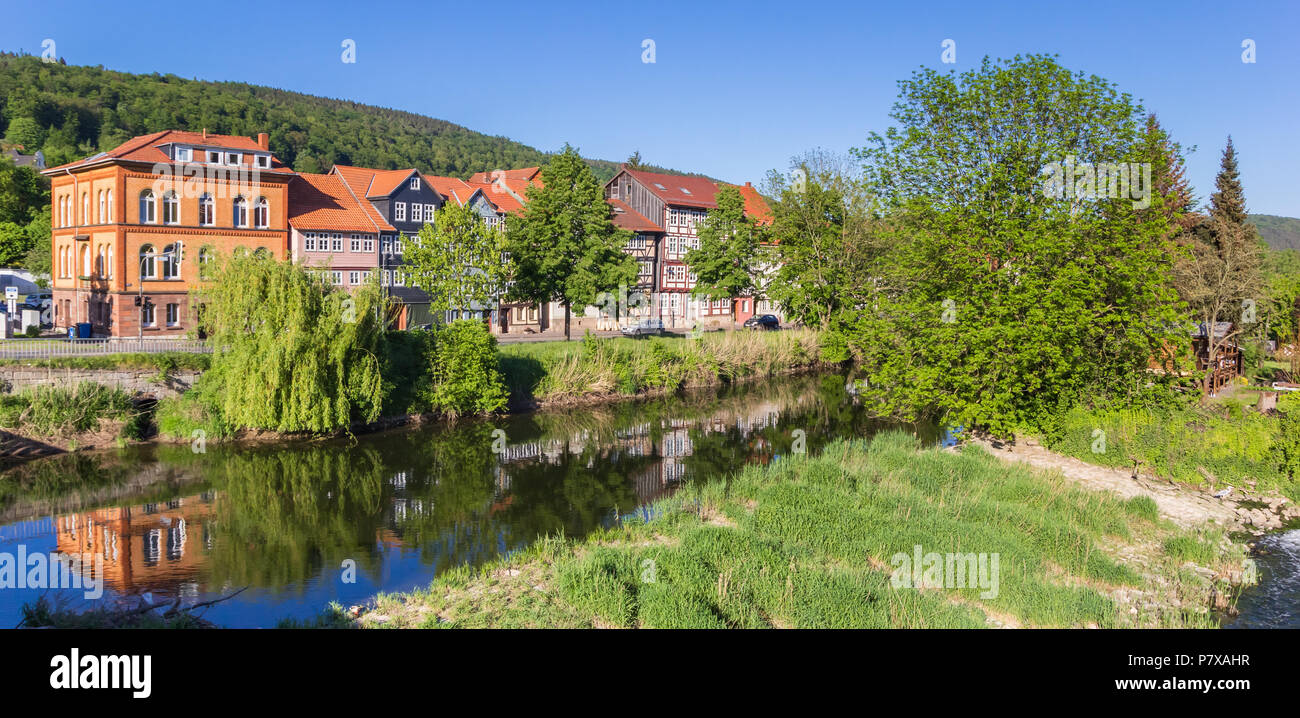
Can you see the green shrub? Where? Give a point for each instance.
(179, 417)
(466, 371)
(60, 411)
(32, 331)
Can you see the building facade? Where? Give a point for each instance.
(133, 227)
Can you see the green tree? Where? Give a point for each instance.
(26, 132)
(1002, 300)
(23, 193)
(458, 260)
(726, 262)
(290, 352)
(1218, 273)
(565, 247)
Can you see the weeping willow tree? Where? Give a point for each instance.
(291, 353)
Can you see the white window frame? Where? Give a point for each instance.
(368, 245)
(415, 183)
(417, 212)
(336, 278)
(354, 277)
(172, 314)
(336, 243)
(354, 243)
(309, 242)
(399, 211)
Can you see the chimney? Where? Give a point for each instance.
(205, 133)
(748, 184)
(264, 140)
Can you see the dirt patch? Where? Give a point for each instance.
(1185, 506)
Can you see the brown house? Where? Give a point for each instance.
(132, 226)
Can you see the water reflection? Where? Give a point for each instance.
(404, 505)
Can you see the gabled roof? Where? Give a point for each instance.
(451, 188)
(627, 218)
(148, 148)
(678, 190)
(378, 183)
(324, 202)
(358, 180)
(526, 174)
(505, 195)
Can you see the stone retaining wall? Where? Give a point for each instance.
(144, 382)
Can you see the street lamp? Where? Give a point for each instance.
(139, 302)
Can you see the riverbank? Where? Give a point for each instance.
(539, 375)
(832, 541)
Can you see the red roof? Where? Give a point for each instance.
(678, 190)
(324, 202)
(525, 174)
(755, 206)
(149, 148)
(627, 218)
(358, 180)
(451, 188)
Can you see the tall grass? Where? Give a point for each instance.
(62, 411)
(1185, 445)
(559, 372)
(811, 542)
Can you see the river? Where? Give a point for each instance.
(305, 524)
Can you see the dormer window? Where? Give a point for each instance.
(214, 157)
(264, 161)
(415, 183)
(685, 191)
(184, 154)
(232, 158)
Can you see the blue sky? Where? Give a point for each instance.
(737, 88)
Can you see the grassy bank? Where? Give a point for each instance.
(814, 542)
(1223, 444)
(562, 372)
(53, 413)
(162, 361)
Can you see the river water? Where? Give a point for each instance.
(401, 506)
(300, 525)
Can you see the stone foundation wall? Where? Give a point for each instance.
(143, 382)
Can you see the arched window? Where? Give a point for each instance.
(146, 262)
(171, 208)
(99, 262)
(148, 207)
(85, 260)
(85, 208)
(207, 211)
(205, 261)
(61, 217)
(171, 261)
(102, 216)
(62, 267)
(241, 212)
(110, 263)
(262, 213)
(109, 216)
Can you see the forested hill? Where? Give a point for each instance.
(71, 111)
(1278, 232)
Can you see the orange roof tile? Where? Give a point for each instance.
(324, 202)
(358, 180)
(451, 188)
(755, 206)
(525, 174)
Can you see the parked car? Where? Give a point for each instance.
(643, 327)
(763, 321)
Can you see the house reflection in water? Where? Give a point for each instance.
(157, 547)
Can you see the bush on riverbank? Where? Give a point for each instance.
(566, 371)
(815, 542)
(451, 370)
(63, 411)
(1188, 445)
